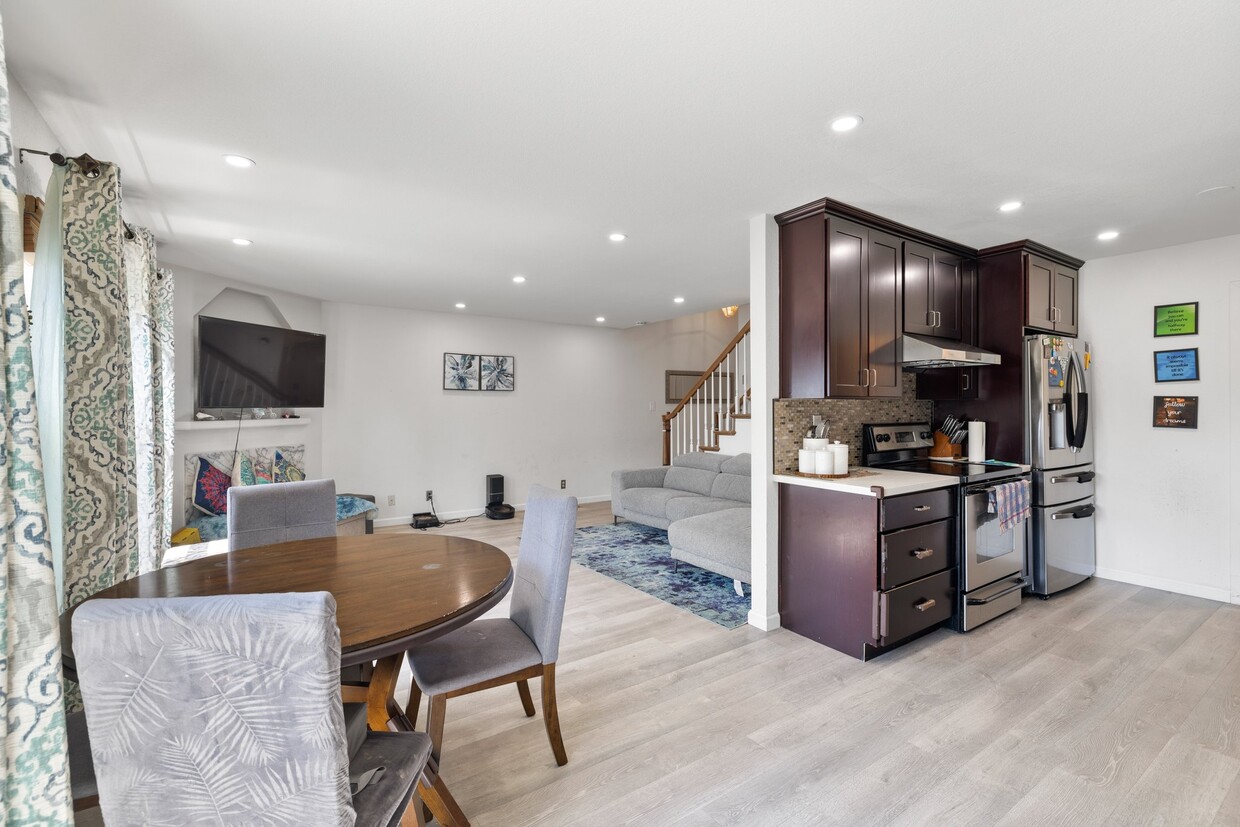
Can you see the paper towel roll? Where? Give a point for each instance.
(823, 462)
(841, 457)
(977, 441)
(805, 462)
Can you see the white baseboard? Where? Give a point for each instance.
(767, 623)
(385, 522)
(1178, 586)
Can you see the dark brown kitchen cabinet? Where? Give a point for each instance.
(864, 574)
(1050, 296)
(933, 288)
(839, 310)
(957, 383)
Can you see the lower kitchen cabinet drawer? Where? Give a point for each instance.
(916, 606)
(916, 552)
(915, 509)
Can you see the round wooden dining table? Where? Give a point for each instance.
(392, 591)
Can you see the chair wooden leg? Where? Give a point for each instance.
(551, 716)
(414, 815)
(435, 713)
(415, 700)
(523, 689)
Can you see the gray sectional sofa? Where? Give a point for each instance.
(703, 502)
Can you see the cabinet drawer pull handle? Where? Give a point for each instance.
(965, 380)
(927, 603)
(929, 318)
(922, 553)
(921, 508)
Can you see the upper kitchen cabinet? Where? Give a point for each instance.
(839, 309)
(1050, 294)
(933, 291)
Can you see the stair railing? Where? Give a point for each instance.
(718, 397)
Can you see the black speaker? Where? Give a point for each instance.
(495, 489)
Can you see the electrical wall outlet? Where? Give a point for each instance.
(563, 484)
(430, 495)
(391, 499)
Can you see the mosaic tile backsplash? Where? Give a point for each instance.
(792, 418)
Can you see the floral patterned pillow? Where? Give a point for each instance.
(243, 471)
(286, 471)
(211, 489)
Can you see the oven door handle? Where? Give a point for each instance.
(1019, 583)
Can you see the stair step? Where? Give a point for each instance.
(724, 433)
(708, 448)
(740, 416)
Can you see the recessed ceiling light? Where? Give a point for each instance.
(679, 300)
(460, 305)
(1009, 206)
(239, 161)
(599, 319)
(846, 123)
(242, 242)
(1108, 235)
(617, 236)
(518, 279)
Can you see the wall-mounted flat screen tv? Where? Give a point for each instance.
(243, 365)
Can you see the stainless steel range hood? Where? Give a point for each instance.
(926, 352)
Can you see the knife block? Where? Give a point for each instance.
(943, 448)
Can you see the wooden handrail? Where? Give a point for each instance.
(723, 354)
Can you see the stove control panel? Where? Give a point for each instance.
(902, 436)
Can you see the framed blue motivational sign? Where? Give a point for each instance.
(1176, 365)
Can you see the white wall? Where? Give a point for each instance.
(32, 132)
(1165, 502)
(587, 402)
(194, 292)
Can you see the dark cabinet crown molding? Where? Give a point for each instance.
(1037, 249)
(824, 206)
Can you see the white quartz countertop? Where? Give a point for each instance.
(893, 482)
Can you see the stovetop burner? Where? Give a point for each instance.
(905, 446)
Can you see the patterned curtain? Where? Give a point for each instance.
(35, 773)
(149, 292)
(101, 491)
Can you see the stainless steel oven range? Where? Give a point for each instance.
(989, 561)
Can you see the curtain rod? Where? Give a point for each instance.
(90, 168)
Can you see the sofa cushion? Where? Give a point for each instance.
(702, 460)
(738, 464)
(718, 541)
(682, 507)
(651, 501)
(690, 479)
(731, 487)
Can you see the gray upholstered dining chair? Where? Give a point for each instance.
(524, 645)
(275, 513)
(227, 710)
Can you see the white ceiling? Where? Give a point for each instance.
(420, 154)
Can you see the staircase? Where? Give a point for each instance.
(714, 414)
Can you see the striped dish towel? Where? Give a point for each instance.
(1010, 501)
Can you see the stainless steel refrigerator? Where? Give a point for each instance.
(1059, 444)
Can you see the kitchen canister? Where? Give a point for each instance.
(815, 444)
(840, 452)
(824, 462)
(805, 461)
(977, 441)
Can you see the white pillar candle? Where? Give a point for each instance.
(805, 462)
(824, 463)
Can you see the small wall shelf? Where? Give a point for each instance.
(220, 424)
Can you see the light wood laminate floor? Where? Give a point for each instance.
(1110, 704)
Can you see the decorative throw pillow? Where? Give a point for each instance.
(262, 474)
(211, 489)
(243, 471)
(286, 471)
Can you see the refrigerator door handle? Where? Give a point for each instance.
(1081, 477)
(1076, 403)
(1078, 513)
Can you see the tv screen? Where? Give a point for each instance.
(242, 365)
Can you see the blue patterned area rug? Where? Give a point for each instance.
(639, 556)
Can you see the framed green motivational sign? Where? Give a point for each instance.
(1175, 319)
